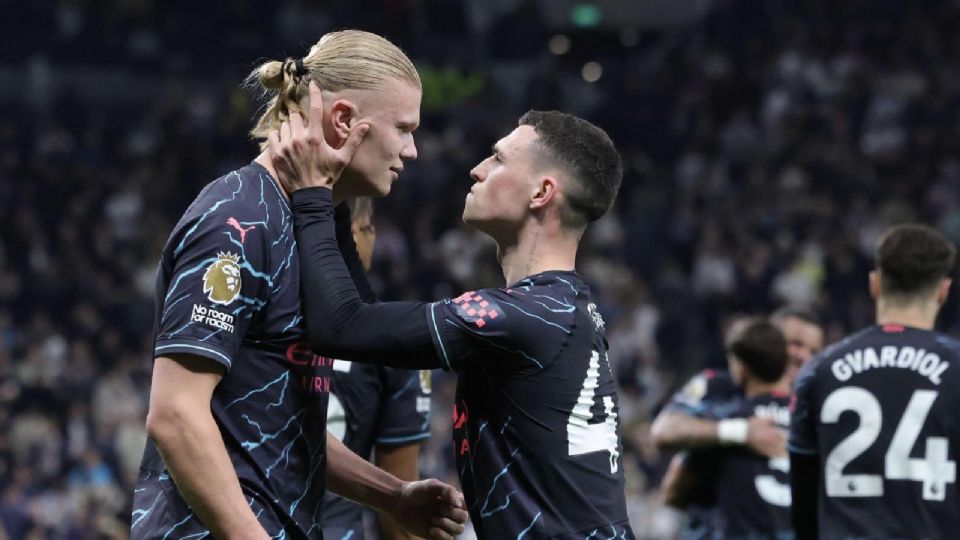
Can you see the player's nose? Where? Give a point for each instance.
(475, 174)
(409, 151)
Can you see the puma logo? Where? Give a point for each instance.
(459, 419)
(243, 232)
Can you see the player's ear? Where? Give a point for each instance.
(343, 116)
(735, 368)
(874, 284)
(545, 190)
(943, 290)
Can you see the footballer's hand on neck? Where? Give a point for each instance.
(301, 155)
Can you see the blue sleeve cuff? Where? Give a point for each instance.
(403, 440)
(199, 348)
(800, 450)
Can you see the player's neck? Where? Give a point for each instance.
(536, 249)
(264, 160)
(921, 315)
(755, 388)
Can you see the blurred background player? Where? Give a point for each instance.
(733, 492)
(874, 432)
(380, 413)
(536, 418)
(238, 404)
(804, 337)
(689, 419)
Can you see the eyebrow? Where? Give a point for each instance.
(496, 151)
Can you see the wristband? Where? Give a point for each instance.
(733, 431)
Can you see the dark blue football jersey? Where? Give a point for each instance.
(749, 493)
(536, 416)
(708, 394)
(880, 410)
(228, 290)
(711, 393)
(372, 405)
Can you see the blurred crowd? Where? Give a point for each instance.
(765, 145)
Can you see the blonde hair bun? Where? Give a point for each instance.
(339, 60)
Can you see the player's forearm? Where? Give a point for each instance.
(678, 431)
(677, 484)
(350, 476)
(193, 450)
(330, 297)
(402, 462)
(339, 323)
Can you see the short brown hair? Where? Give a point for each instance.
(912, 258)
(762, 349)
(587, 154)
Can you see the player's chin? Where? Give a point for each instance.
(467, 215)
(383, 189)
(380, 187)
(469, 208)
(473, 220)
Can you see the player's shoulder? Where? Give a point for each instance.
(712, 384)
(242, 208)
(543, 303)
(711, 392)
(561, 286)
(246, 194)
(848, 342)
(949, 344)
(880, 337)
(552, 297)
(820, 361)
(717, 377)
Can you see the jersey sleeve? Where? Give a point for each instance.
(339, 323)
(219, 278)
(499, 325)
(705, 395)
(405, 413)
(803, 416)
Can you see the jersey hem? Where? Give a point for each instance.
(800, 450)
(592, 528)
(400, 441)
